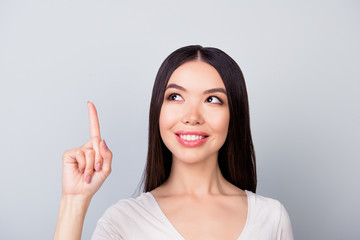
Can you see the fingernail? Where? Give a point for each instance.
(98, 166)
(88, 179)
(83, 170)
(106, 147)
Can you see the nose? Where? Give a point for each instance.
(192, 115)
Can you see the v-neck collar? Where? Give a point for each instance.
(176, 232)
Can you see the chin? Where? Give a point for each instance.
(192, 157)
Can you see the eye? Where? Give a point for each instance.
(174, 97)
(213, 99)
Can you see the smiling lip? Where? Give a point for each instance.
(191, 138)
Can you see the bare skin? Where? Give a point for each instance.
(84, 171)
(210, 216)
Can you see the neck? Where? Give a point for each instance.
(197, 179)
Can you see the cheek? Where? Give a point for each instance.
(167, 119)
(220, 123)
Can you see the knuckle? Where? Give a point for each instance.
(90, 151)
(67, 153)
(98, 156)
(89, 168)
(79, 152)
(107, 171)
(108, 155)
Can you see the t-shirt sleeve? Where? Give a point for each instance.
(284, 229)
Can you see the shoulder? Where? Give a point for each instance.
(264, 204)
(264, 207)
(130, 208)
(125, 217)
(269, 214)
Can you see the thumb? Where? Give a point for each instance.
(107, 157)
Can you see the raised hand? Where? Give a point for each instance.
(84, 171)
(86, 168)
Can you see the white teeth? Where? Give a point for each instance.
(191, 137)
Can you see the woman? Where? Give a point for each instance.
(200, 177)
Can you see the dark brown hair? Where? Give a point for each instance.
(236, 157)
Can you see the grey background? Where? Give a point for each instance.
(300, 60)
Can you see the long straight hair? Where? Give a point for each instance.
(236, 157)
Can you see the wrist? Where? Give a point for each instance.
(71, 217)
(75, 203)
(74, 207)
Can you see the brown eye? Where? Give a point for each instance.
(214, 99)
(174, 97)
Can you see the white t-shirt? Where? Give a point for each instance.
(141, 218)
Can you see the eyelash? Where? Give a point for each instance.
(172, 95)
(169, 97)
(220, 101)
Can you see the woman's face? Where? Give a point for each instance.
(194, 117)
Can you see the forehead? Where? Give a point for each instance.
(196, 75)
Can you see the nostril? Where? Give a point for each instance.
(193, 122)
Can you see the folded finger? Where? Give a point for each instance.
(89, 169)
(98, 158)
(106, 156)
(80, 157)
(70, 156)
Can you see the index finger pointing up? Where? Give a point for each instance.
(94, 121)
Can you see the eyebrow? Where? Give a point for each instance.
(172, 85)
(213, 90)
